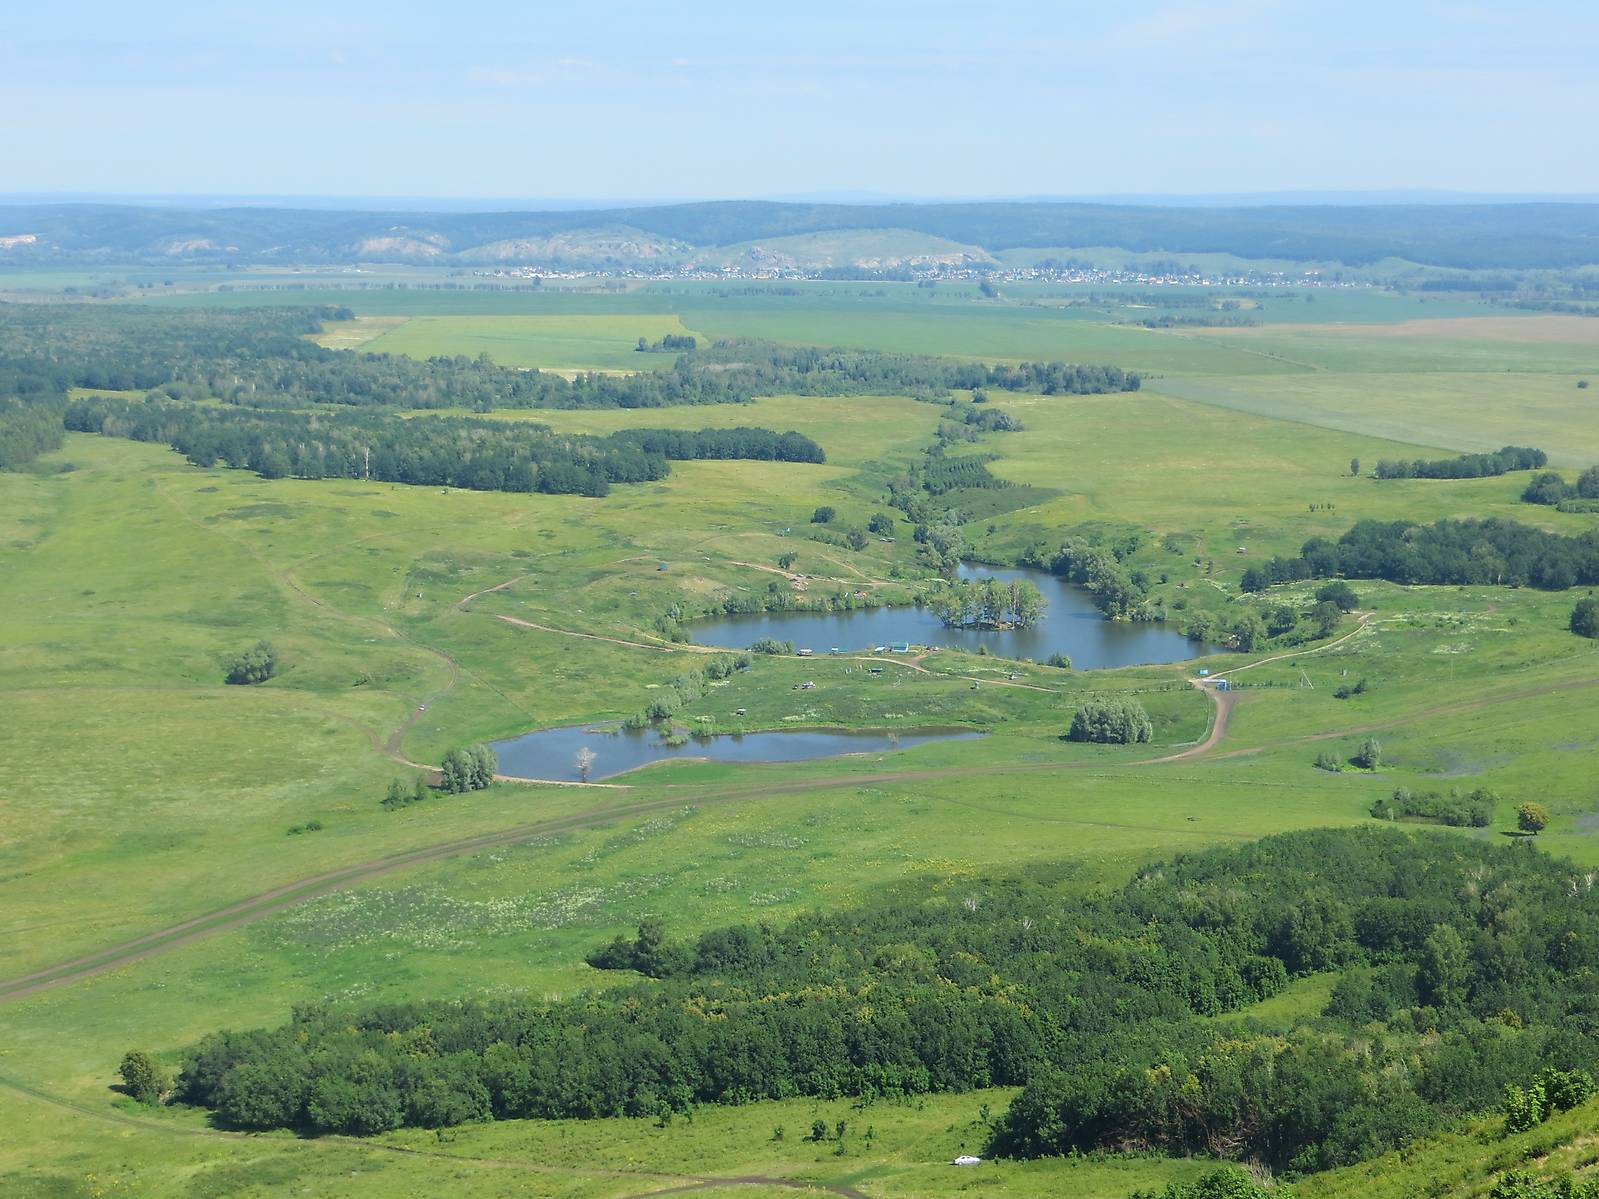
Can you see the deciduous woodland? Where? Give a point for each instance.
(260, 357)
(482, 455)
(1451, 551)
(1461, 968)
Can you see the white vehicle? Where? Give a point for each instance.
(966, 1159)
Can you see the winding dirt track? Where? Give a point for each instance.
(288, 895)
(291, 894)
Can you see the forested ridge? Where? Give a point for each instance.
(1484, 235)
(1463, 966)
(1465, 466)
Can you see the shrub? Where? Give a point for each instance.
(1369, 755)
(143, 1078)
(255, 665)
(1339, 593)
(1552, 1091)
(1475, 810)
(771, 645)
(1059, 661)
(823, 515)
(1229, 1182)
(1585, 618)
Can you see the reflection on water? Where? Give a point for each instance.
(1071, 625)
(552, 753)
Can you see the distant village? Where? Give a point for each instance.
(927, 273)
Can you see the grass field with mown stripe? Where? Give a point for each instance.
(1457, 411)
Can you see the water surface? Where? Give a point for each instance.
(1071, 625)
(552, 753)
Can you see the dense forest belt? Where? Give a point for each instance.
(261, 358)
(1489, 552)
(480, 455)
(1462, 967)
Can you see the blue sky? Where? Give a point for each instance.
(607, 99)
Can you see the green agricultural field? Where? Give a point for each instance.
(546, 342)
(1458, 411)
(143, 793)
(1522, 344)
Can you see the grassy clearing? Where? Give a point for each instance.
(548, 342)
(357, 332)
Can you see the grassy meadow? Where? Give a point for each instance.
(587, 342)
(142, 792)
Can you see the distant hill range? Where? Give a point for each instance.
(1495, 236)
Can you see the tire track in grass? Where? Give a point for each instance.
(686, 1182)
(292, 894)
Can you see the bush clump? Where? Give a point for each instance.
(469, 769)
(1475, 810)
(1111, 720)
(255, 665)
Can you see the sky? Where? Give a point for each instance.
(602, 99)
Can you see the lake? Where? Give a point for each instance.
(1071, 625)
(552, 753)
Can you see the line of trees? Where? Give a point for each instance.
(1498, 552)
(671, 343)
(743, 442)
(440, 451)
(1460, 966)
(1550, 487)
(1466, 466)
(261, 357)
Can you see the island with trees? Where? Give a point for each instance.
(988, 604)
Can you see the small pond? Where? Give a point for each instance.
(552, 753)
(1071, 625)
